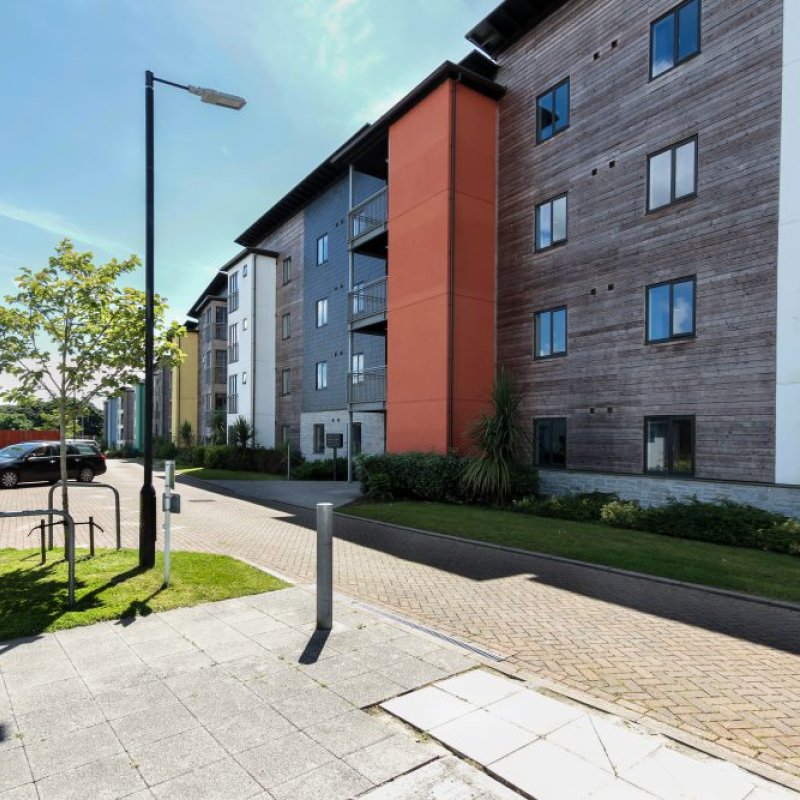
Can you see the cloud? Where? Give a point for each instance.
(54, 223)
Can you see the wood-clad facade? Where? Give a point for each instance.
(610, 380)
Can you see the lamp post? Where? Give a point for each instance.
(147, 496)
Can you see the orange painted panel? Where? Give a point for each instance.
(418, 328)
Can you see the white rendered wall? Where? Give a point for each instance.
(244, 406)
(261, 343)
(787, 399)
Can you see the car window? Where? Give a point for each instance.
(15, 450)
(39, 452)
(86, 449)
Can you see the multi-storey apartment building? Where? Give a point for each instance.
(211, 312)
(185, 380)
(162, 402)
(251, 342)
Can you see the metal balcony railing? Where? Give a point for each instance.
(369, 215)
(367, 386)
(367, 300)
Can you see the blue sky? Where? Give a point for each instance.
(72, 139)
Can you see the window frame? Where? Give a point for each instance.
(552, 90)
(233, 394)
(672, 336)
(357, 375)
(325, 242)
(560, 242)
(356, 426)
(674, 11)
(286, 326)
(672, 148)
(233, 343)
(287, 270)
(319, 427)
(551, 311)
(286, 382)
(233, 292)
(321, 376)
(536, 464)
(669, 419)
(322, 304)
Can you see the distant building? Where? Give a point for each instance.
(185, 383)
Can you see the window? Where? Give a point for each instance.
(359, 298)
(550, 442)
(287, 270)
(552, 112)
(319, 438)
(550, 333)
(671, 310)
(286, 433)
(322, 374)
(244, 324)
(551, 222)
(322, 249)
(233, 343)
(286, 326)
(286, 382)
(220, 400)
(233, 395)
(206, 401)
(355, 439)
(233, 292)
(672, 174)
(358, 368)
(221, 323)
(244, 377)
(206, 366)
(669, 445)
(244, 270)
(675, 37)
(322, 312)
(220, 366)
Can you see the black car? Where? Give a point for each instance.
(28, 462)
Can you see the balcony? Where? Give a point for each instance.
(367, 389)
(367, 224)
(366, 306)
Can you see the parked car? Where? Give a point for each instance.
(28, 462)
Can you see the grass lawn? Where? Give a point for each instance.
(736, 568)
(207, 474)
(33, 598)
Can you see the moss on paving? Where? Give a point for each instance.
(734, 568)
(33, 598)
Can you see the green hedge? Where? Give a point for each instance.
(320, 470)
(724, 522)
(427, 476)
(223, 456)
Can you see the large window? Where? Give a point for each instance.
(358, 368)
(233, 394)
(669, 445)
(287, 270)
(550, 442)
(233, 343)
(359, 298)
(286, 326)
(552, 111)
(675, 37)
(322, 312)
(672, 174)
(319, 438)
(286, 382)
(221, 324)
(220, 401)
(220, 366)
(233, 291)
(322, 375)
(671, 310)
(322, 249)
(550, 333)
(551, 222)
(355, 439)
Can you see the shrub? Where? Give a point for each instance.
(418, 476)
(113, 453)
(218, 456)
(197, 455)
(622, 514)
(585, 507)
(321, 470)
(164, 449)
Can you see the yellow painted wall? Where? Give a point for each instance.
(184, 386)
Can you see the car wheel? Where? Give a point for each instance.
(86, 475)
(8, 479)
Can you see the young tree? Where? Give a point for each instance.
(186, 435)
(72, 335)
(242, 432)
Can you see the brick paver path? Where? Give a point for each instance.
(724, 670)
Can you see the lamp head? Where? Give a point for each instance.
(218, 98)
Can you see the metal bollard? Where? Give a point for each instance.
(44, 546)
(324, 566)
(91, 537)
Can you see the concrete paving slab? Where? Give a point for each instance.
(428, 708)
(168, 758)
(480, 687)
(349, 732)
(535, 712)
(222, 780)
(312, 707)
(14, 769)
(366, 689)
(60, 720)
(385, 760)
(61, 753)
(26, 792)
(152, 724)
(251, 728)
(107, 779)
(333, 781)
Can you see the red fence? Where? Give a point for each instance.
(12, 437)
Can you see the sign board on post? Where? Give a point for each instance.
(336, 441)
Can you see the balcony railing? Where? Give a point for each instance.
(368, 300)
(369, 215)
(367, 386)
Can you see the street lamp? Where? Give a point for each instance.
(147, 496)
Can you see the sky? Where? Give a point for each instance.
(72, 136)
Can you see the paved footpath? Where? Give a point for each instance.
(716, 672)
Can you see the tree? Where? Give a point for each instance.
(219, 430)
(186, 435)
(499, 439)
(72, 335)
(242, 432)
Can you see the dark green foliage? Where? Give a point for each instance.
(219, 456)
(580, 507)
(498, 439)
(320, 470)
(164, 449)
(420, 476)
(242, 432)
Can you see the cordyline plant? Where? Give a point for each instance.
(499, 440)
(72, 335)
